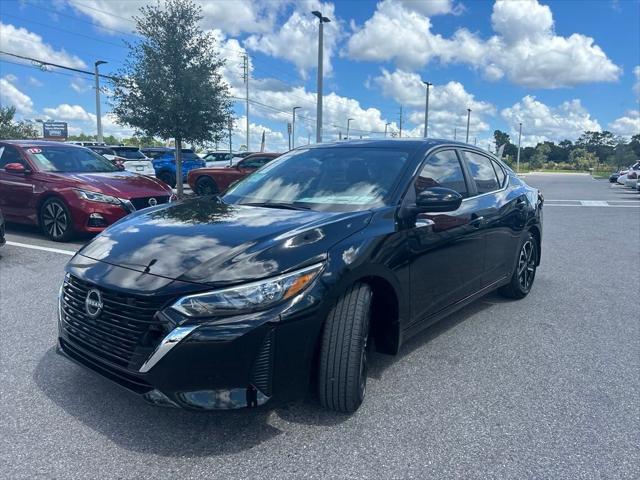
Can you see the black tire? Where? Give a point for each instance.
(342, 372)
(525, 271)
(56, 221)
(206, 186)
(168, 178)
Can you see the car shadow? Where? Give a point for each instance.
(34, 232)
(380, 362)
(133, 424)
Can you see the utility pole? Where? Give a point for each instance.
(245, 77)
(348, 122)
(323, 20)
(475, 141)
(468, 118)
(293, 128)
(289, 133)
(99, 137)
(519, 140)
(426, 110)
(230, 132)
(455, 133)
(385, 129)
(308, 139)
(400, 135)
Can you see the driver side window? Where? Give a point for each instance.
(442, 169)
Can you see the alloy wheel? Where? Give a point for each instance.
(55, 220)
(526, 265)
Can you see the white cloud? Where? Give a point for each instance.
(448, 103)
(231, 17)
(80, 85)
(542, 123)
(297, 39)
(34, 82)
(525, 48)
(636, 86)
(10, 95)
(23, 42)
(431, 7)
(275, 141)
(627, 125)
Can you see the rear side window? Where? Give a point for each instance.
(482, 172)
(500, 172)
(442, 169)
(9, 155)
(256, 162)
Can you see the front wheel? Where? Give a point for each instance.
(342, 375)
(56, 221)
(525, 272)
(206, 186)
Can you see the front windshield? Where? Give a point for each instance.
(130, 153)
(335, 178)
(69, 159)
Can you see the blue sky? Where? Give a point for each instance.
(559, 67)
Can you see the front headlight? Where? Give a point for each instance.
(97, 197)
(261, 294)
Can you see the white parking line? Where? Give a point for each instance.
(38, 247)
(580, 205)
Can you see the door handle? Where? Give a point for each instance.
(521, 203)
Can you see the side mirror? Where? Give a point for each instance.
(120, 167)
(16, 167)
(438, 199)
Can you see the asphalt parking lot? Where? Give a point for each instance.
(545, 387)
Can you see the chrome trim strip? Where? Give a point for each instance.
(174, 337)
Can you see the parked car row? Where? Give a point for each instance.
(67, 189)
(628, 177)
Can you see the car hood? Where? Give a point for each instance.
(206, 241)
(118, 184)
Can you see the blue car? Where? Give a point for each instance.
(165, 165)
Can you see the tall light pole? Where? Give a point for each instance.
(98, 115)
(468, 118)
(245, 76)
(385, 128)
(293, 128)
(348, 122)
(519, 140)
(426, 110)
(323, 20)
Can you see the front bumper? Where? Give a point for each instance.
(242, 363)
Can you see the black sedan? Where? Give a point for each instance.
(289, 279)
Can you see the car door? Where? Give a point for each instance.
(446, 250)
(503, 213)
(16, 189)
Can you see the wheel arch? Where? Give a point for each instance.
(385, 314)
(46, 196)
(537, 235)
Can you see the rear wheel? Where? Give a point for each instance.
(55, 220)
(206, 186)
(168, 178)
(525, 272)
(342, 375)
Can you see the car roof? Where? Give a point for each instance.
(263, 154)
(390, 143)
(40, 143)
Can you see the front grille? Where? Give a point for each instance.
(124, 334)
(143, 202)
(263, 367)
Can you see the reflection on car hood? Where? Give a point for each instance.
(118, 184)
(206, 241)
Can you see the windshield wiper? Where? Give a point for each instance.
(287, 206)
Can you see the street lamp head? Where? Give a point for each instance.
(100, 62)
(320, 17)
(296, 108)
(427, 83)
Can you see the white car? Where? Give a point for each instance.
(631, 178)
(131, 158)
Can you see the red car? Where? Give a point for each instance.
(67, 189)
(212, 180)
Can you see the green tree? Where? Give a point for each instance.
(502, 138)
(583, 159)
(600, 143)
(171, 85)
(11, 129)
(540, 156)
(623, 155)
